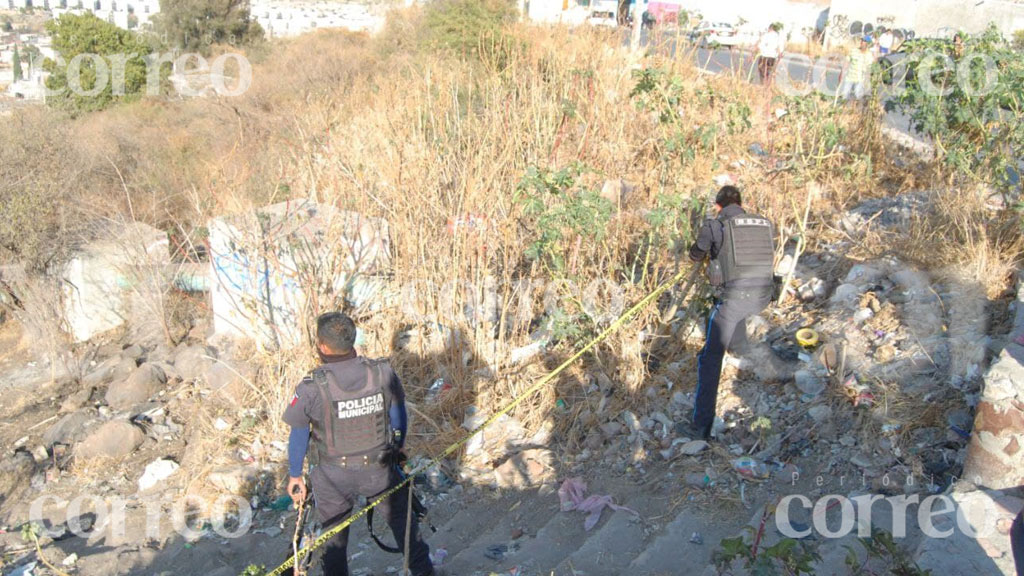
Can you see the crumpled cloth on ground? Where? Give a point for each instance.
(571, 497)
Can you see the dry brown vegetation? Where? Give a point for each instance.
(397, 131)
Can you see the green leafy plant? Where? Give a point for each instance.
(91, 40)
(468, 27)
(819, 132)
(762, 426)
(671, 226)
(30, 533)
(788, 557)
(658, 91)
(974, 113)
(881, 546)
(200, 24)
(562, 214)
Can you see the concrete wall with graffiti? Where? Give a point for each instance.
(928, 18)
(272, 271)
(99, 280)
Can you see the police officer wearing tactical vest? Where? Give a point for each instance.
(352, 410)
(741, 251)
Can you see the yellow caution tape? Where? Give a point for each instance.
(611, 329)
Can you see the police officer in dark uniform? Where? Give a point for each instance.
(741, 251)
(353, 411)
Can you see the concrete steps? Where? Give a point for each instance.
(671, 552)
(608, 550)
(543, 541)
(511, 528)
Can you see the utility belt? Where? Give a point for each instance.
(746, 293)
(372, 459)
(365, 461)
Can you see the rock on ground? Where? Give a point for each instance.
(193, 361)
(114, 439)
(145, 382)
(234, 479)
(15, 472)
(68, 429)
(231, 381)
(528, 469)
(77, 400)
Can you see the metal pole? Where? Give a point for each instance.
(408, 529)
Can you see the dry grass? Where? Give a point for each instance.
(385, 128)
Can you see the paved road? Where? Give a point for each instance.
(798, 72)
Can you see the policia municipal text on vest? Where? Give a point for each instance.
(351, 412)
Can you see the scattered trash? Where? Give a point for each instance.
(25, 570)
(696, 538)
(270, 531)
(750, 468)
(963, 433)
(221, 424)
(155, 472)
(693, 448)
(439, 386)
(40, 455)
(571, 497)
(786, 349)
(862, 315)
(468, 224)
(498, 552)
(807, 338)
(859, 394)
(757, 150)
(891, 428)
(70, 560)
(281, 504)
(437, 556)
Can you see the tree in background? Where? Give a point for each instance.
(197, 25)
(30, 54)
(973, 113)
(18, 73)
(466, 27)
(94, 53)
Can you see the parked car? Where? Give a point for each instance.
(604, 13)
(721, 34)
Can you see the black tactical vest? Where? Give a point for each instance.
(355, 422)
(747, 254)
